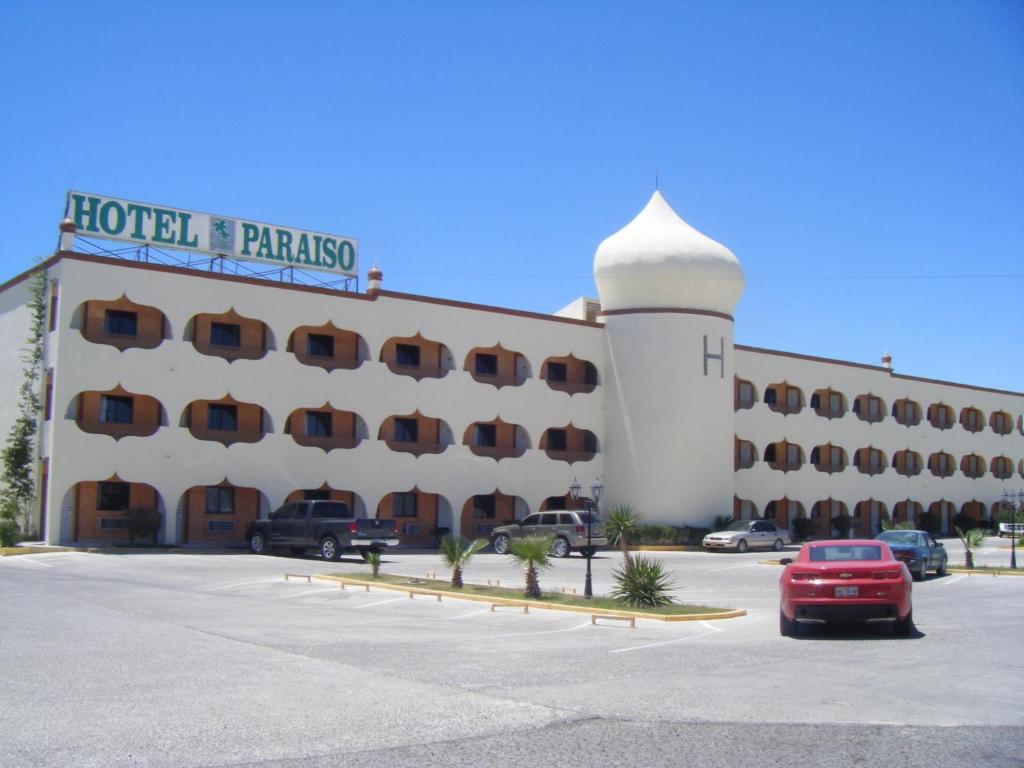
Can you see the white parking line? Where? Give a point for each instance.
(734, 567)
(954, 580)
(465, 615)
(26, 559)
(243, 584)
(545, 631)
(382, 602)
(306, 592)
(665, 642)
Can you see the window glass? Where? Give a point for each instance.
(318, 424)
(770, 396)
(486, 435)
(220, 501)
(407, 431)
(316, 494)
(113, 497)
(565, 519)
(835, 403)
(792, 454)
(589, 374)
(556, 439)
(119, 323)
(792, 399)
(298, 511)
(827, 553)
(531, 520)
(330, 509)
(226, 335)
(222, 417)
(115, 409)
(403, 505)
(874, 407)
(746, 394)
(320, 345)
(484, 507)
(407, 355)
(548, 518)
(486, 364)
(557, 372)
(284, 513)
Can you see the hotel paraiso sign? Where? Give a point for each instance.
(162, 226)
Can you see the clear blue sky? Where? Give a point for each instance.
(863, 160)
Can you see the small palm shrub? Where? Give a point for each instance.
(721, 522)
(802, 527)
(621, 524)
(642, 583)
(533, 553)
(971, 539)
(373, 560)
(456, 552)
(842, 523)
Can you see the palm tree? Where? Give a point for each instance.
(456, 552)
(971, 539)
(533, 553)
(621, 523)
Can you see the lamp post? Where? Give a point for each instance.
(590, 507)
(1013, 500)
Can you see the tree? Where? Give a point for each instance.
(456, 552)
(971, 539)
(534, 554)
(622, 522)
(18, 457)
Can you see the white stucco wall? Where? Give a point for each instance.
(762, 426)
(669, 426)
(176, 374)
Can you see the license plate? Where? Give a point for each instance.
(846, 591)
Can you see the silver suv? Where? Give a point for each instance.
(569, 529)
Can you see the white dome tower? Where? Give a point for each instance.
(667, 297)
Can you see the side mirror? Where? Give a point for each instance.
(786, 560)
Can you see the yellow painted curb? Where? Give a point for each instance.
(11, 551)
(665, 548)
(768, 562)
(532, 603)
(985, 571)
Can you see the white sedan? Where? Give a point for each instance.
(742, 535)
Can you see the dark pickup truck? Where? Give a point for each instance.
(329, 526)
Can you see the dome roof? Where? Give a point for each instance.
(660, 261)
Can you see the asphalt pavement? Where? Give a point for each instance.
(215, 660)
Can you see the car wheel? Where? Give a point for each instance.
(787, 627)
(258, 544)
(742, 546)
(941, 570)
(777, 546)
(561, 548)
(904, 627)
(297, 550)
(501, 544)
(329, 548)
(922, 572)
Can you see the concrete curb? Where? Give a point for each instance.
(984, 571)
(664, 548)
(12, 551)
(441, 593)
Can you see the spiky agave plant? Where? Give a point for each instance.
(971, 539)
(456, 552)
(534, 554)
(622, 522)
(643, 583)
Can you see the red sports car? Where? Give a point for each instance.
(847, 580)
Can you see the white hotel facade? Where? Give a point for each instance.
(215, 398)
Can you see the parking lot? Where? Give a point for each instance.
(215, 660)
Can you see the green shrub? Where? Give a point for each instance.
(721, 522)
(10, 533)
(693, 535)
(802, 528)
(642, 583)
(842, 524)
(141, 523)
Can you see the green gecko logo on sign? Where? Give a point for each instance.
(216, 235)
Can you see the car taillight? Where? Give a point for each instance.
(801, 576)
(580, 530)
(891, 573)
(353, 527)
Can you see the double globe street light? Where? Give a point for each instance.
(590, 507)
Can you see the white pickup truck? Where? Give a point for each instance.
(1011, 529)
